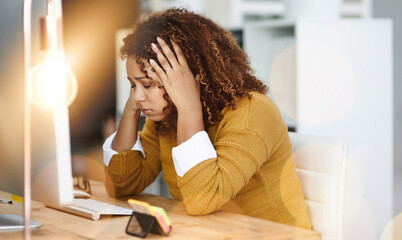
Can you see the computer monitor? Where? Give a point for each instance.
(52, 182)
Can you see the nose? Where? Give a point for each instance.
(139, 95)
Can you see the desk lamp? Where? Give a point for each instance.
(51, 86)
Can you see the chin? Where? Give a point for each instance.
(156, 118)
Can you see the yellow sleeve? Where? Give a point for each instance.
(243, 143)
(128, 172)
(210, 184)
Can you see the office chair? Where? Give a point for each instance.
(321, 167)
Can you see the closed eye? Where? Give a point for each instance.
(143, 80)
(145, 86)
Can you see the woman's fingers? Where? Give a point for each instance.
(179, 53)
(170, 61)
(168, 52)
(178, 67)
(161, 73)
(151, 72)
(162, 60)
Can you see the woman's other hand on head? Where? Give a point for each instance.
(180, 84)
(132, 105)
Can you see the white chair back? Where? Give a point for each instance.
(321, 167)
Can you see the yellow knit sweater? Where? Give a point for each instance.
(254, 173)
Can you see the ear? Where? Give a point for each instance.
(198, 78)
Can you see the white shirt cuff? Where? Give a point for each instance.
(108, 152)
(192, 152)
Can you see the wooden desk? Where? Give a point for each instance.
(219, 225)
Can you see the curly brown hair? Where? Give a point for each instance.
(210, 51)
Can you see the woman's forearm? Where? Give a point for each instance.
(189, 122)
(126, 135)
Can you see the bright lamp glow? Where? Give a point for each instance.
(53, 84)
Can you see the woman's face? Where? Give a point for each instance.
(147, 95)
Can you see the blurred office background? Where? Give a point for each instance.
(269, 31)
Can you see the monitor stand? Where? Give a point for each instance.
(15, 222)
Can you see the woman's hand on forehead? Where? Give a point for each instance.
(151, 74)
(176, 76)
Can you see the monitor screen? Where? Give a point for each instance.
(50, 138)
(11, 101)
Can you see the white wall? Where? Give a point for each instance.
(338, 74)
(391, 9)
(344, 88)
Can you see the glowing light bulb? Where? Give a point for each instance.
(53, 84)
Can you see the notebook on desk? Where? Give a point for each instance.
(93, 209)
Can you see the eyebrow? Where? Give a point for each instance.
(138, 78)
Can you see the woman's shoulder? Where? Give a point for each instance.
(258, 105)
(257, 112)
(257, 100)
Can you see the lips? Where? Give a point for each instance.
(146, 111)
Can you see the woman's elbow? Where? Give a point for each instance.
(115, 189)
(110, 190)
(206, 201)
(115, 192)
(199, 208)
(194, 211)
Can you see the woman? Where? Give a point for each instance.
(220, 141)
